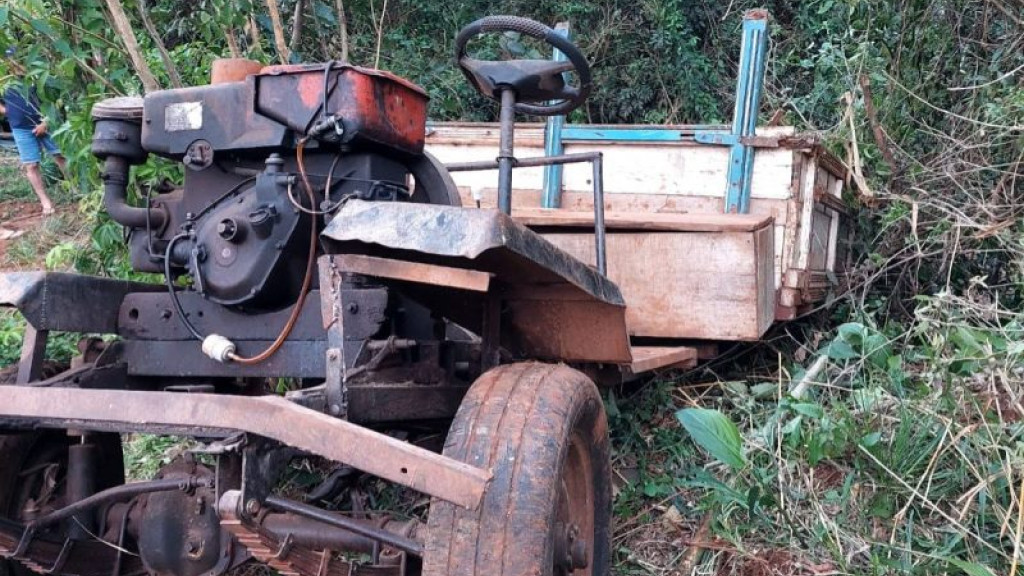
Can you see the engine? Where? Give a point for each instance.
(269, 153)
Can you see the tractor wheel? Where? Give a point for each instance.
(542, 431)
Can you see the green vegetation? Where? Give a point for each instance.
(880, 437)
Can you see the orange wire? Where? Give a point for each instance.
(306, 282)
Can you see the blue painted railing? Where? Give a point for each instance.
(749, 84)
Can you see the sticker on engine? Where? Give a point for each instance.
(183, 116)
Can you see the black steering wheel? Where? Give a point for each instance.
(535, 82)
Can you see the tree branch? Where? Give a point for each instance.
(876, 128)
(172, 70)
(131, 44)
(298, 22)
(342, 28)
(275, 18)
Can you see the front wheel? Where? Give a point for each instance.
(542, 431)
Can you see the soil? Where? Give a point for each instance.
(18, 217)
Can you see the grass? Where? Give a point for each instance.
(14, 185)
(880, 463)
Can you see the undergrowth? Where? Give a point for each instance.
(884, 438)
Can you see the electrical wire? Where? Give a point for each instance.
(307, 281)
(327, 194)
(174, 293)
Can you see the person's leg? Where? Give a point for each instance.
(35, 178)
(51, 148)
(29, 154)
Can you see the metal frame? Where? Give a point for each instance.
(740, 138)
(552, 193)
(749, 83)
(267, 416)
(597, 161)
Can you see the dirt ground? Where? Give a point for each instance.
(23, 223)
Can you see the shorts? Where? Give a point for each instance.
(30, 146)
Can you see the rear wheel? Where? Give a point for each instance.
(542, 431)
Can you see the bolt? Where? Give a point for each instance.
(578, 554)
(194, 549)
(335, 410)
(352, 308)
(332, 354)
(166, 314)
(576, 557)
(252, 507)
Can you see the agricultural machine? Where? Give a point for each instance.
(329, 291)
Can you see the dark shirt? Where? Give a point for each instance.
(22, 110)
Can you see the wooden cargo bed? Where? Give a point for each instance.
(687, 270)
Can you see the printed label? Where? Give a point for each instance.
(183, 116)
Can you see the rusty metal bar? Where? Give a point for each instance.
(534, 162)
(33, 350)
(595, 158)
(338, 521)
(268, 416)
(414, 272)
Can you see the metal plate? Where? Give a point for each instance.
(556, 307)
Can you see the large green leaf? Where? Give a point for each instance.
(714, 432)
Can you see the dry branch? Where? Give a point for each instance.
(876, 128)
(154, 35)
(342, 28)
(236, 52)
(124, 30)
(298, 22)
(275, 19)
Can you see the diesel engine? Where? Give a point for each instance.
(269, 153)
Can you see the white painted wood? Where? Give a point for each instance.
(801, 256)
(672, 177)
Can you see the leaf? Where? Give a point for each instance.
(972, 568)
(714, 432)
(324, 12)
(840, 350)
(809, 409)
(871, 439)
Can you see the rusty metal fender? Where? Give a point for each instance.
(488, 237)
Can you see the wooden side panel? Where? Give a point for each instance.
(800, 188)
(764, 249)
(633, 169)
(821, 224)
(717, 286)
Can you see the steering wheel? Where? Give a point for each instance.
(535, 82)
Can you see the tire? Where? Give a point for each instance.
(542, 431)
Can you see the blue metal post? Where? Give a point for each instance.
(749, 85)
(552, 196)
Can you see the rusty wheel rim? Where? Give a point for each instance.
(573, 538)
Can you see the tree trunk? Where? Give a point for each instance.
(342, 28)
(298, 20)
(275, 18)
(172, 70)
(124, 29)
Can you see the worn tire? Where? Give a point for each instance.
(541, 429)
